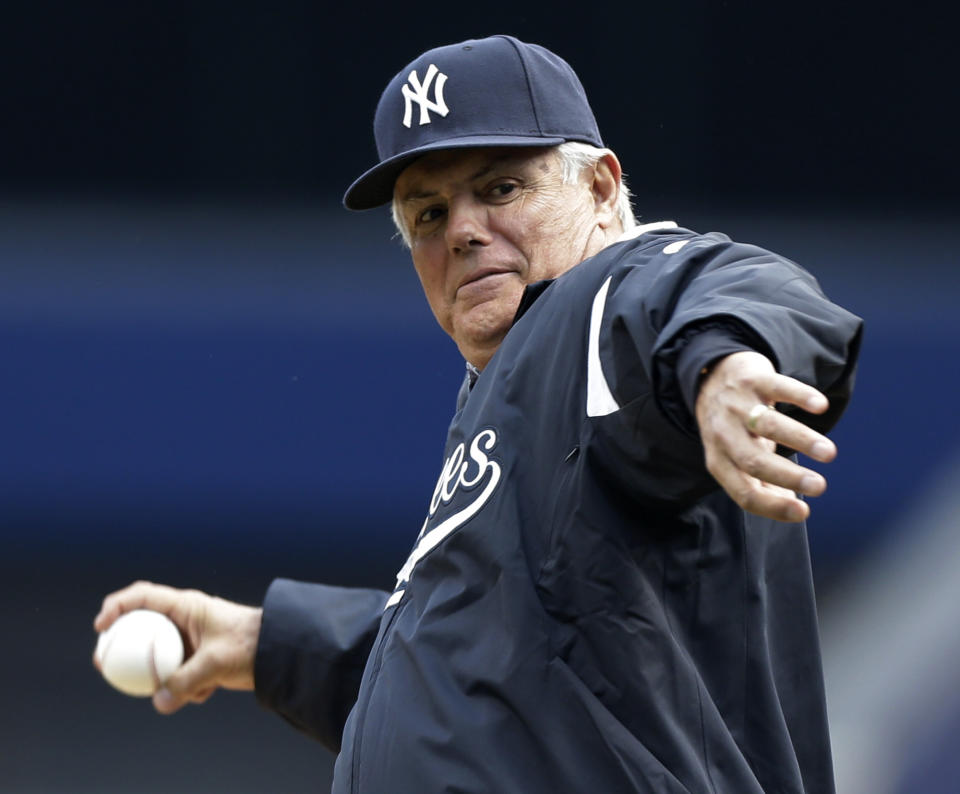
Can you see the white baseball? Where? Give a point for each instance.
(139, 652)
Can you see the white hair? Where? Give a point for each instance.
(575, 158)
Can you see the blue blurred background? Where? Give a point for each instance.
(213, 375)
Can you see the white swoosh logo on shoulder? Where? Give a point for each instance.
(600, 400)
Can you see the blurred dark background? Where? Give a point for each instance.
(214, 375)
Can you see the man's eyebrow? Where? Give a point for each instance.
(485, 170)
(415, 194)
(496, 162)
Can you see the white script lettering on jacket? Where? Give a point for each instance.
(458, 470)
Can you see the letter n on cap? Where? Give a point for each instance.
(418, 93)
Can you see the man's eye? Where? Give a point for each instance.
(429, 215)
(503, 190)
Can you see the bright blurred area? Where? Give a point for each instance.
(215, 376)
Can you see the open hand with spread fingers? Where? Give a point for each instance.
(740, 429)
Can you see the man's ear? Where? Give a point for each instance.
(605, 187)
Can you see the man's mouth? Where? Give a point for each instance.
(482, 273)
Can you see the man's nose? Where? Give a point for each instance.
(467, 225)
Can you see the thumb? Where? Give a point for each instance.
(195, 677)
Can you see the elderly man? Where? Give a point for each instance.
(601, 597)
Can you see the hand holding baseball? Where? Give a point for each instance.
(740, 431)
(220, 639)
(139, 652)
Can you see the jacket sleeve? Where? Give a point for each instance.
(679, 311)
(313, 646)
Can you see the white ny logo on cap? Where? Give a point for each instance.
(419, 95)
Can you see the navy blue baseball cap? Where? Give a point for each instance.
(496, 91)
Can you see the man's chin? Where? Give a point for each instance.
(478, 341)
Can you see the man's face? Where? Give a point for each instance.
(483, 224)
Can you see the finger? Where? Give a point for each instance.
(784, 389)
(139, 595)
(792, 434)
(193, 681)
(164, 702)
(758, 458)
(775, 470)
(779, 504)
(757, 496)
(770, 501)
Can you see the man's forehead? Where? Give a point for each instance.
(467, 164)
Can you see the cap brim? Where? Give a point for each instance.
(375, 187)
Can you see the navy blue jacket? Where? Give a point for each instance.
(584, 609)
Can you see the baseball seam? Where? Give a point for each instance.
(105, 650)
(152, 663)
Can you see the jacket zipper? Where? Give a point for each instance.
(362, 707)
